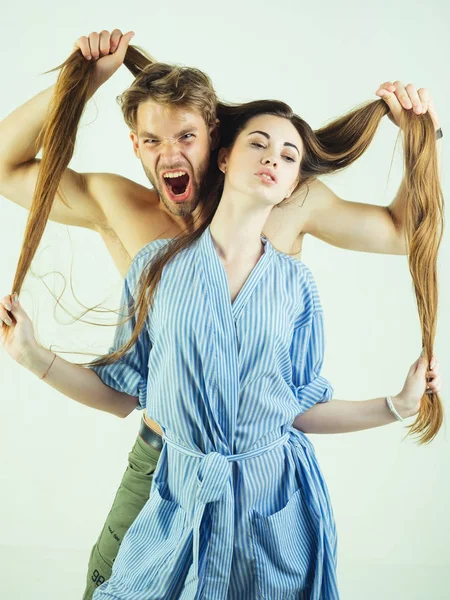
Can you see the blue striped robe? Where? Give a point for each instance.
(238, 508)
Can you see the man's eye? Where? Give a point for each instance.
(150, 141)
(188, 136)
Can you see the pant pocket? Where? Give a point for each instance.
(143, 458)
(285, 548)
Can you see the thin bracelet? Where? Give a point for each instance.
(392, 409)
(439, 133)
(50, 366)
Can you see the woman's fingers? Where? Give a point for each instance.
(12, 305)
(434, 386)
(5, 307)
(434, 379)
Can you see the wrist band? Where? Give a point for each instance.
(392, 409)
(439, 133)
(50, 366)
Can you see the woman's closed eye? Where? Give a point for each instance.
(287, 157)
(259, 145)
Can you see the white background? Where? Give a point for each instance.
(61, 462)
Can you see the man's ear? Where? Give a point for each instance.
(214, 135)
(134, 138)
(222, 159)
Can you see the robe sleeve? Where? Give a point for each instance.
(130, 373)
(307, 350)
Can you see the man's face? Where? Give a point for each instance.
(174, 145)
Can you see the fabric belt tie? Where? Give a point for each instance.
(213, 475)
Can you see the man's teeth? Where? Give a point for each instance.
(175, 174)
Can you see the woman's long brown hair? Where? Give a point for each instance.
(327, 150)
(57, 139)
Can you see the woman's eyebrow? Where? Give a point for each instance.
(266, 135)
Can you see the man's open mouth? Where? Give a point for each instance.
(177, 184)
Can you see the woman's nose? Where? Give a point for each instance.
(269, 160)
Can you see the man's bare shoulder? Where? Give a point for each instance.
(132, 215)
(288, 223)
(109, 188)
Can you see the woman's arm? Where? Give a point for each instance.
(344, 416)
(79, 383)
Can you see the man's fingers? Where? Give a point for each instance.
(393, 103)
(83, 44)
(104, 42)
(402, 95)
(123, 44)
(424, 98)
(94, 39)
(433, 114)
(414, 97)
(387, 86)
(116, 35)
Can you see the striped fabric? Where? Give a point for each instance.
(238, 508)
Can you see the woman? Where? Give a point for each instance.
(238, 508)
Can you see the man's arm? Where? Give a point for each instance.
(353, 225)
(19, 167)
(19, 131)
(361, 226)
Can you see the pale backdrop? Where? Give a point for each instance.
(62, 462)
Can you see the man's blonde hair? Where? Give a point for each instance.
(184, 87)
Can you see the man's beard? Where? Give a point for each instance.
(182, 209)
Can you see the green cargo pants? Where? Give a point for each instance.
(131, 496)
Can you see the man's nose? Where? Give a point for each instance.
(170, 148)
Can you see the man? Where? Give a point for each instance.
(173, 142)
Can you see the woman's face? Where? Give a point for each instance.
(264, 161)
